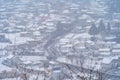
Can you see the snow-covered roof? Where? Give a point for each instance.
(105, 53)
(106, 60)
(3, 67)
(82, 35)
(27, 62)
(10, 56)
(104, 50)
(116, 50)
(64, 40)
(116, 46)
(109, 59)
(33, 58)
(66, 11)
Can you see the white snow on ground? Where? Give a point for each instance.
(64, 60)
(3, 67)
(3, 45)
(109, 59)
(10, 56)
(32, 77)
(69, 35)
(11, 79)
(82, 35)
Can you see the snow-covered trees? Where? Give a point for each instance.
(101, 26)
(113, 6)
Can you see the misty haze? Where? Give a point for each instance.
(59, 39)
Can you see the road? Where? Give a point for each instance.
(61, 30)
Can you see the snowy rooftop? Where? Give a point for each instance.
(33, 58)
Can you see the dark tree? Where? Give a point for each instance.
(108, 27)
(93, 30)
(101, 26)
(117, 26)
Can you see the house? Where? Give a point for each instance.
(66, 48)
(2, 52)
(79, 47)
(115, 52)
(110, 63)
(102, 44)
(116, 49)
(4, 39)
(116, 16)
(104, 52)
